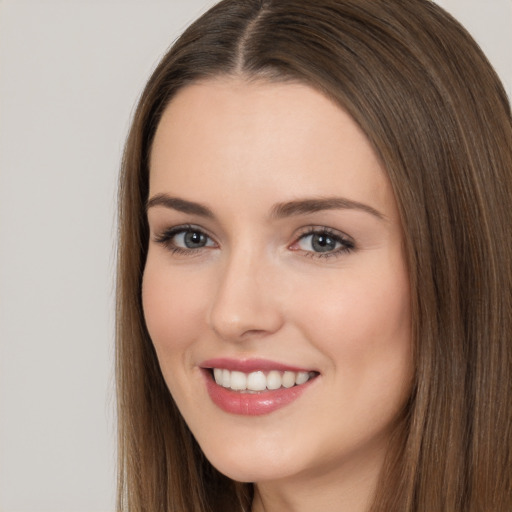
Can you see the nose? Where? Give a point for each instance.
(246, 303)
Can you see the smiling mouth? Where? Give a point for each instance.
(260, 381)
(254, 387)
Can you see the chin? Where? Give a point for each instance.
(257, 465)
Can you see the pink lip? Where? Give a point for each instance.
(250, 404)
(250, 365)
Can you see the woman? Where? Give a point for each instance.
(315, 266)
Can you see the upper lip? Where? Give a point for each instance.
(250, 365)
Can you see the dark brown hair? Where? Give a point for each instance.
(438, 118)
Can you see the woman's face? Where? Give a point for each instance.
(275, 262)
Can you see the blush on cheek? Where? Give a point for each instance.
(172, 310)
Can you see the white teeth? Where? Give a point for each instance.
(217, 373)
(238, 381)
(302, 377)
(256, 381)
(226, 378)
(259, 381)
(288, 379)
(274, 380)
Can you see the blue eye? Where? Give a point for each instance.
(323, 242)
(183, 239)
(191, 239)
(319, 242)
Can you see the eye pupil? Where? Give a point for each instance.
(194, 239)
(323, 243)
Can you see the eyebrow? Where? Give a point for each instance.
(279, 211)
(305, 206)
(181, 205)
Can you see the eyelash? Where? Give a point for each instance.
(346, 244)
(166, 239)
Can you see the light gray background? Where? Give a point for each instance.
(70, 73)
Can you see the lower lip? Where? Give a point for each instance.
(252, 404)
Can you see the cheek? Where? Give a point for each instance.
(173, 307)
(363, 325)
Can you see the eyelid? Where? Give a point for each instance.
(347, 242)
(166, 236)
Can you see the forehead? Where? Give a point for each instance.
(273, 138)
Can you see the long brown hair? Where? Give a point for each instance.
(439, 119)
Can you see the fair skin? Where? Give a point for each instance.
(318, 285)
